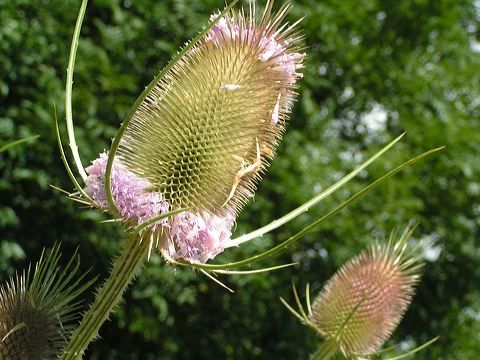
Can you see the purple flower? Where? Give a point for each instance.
(269, 50)
(131, 193)
(191, 237)
(198, 237)
(268, 47)
(204, 134)
(364, 301)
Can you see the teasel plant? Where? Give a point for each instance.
(363, 302)
(38, 308)
(191, 150)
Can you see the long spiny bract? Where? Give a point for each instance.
(365, 300)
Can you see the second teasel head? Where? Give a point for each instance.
(364, 301)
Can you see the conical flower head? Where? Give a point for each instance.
(25, 329)
(208, 127)
(204, 132)
(36, 311)
(365, 300)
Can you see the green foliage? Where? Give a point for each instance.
(375, 69)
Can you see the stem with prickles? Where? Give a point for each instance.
(125, 267)
(326, 350)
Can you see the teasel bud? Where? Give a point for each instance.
(362, 304)
(204, 133)
(36, 311)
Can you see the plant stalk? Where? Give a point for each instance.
(125, 267)
(326, 350)
(68, 91)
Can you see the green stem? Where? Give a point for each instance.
(68, 91)
(123, 272)
(17, 142)
(326, 350)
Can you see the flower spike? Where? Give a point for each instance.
(365, 300)
(203, 133)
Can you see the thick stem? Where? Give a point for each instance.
(326, 350)
(125, 267)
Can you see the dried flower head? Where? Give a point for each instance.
(205, 131)
(36, 311)
(365, 300)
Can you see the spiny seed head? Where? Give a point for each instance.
(365, 300)
(203, 133)
(208, 127)
(36, 311)
(26, 329)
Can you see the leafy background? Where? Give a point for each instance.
(375, 69)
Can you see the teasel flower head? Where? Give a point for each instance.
(364, 301)
(36, 312)
(204, 132)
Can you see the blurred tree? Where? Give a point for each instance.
(375, 69)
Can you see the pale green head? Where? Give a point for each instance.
(208, 128)
(365, 300)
